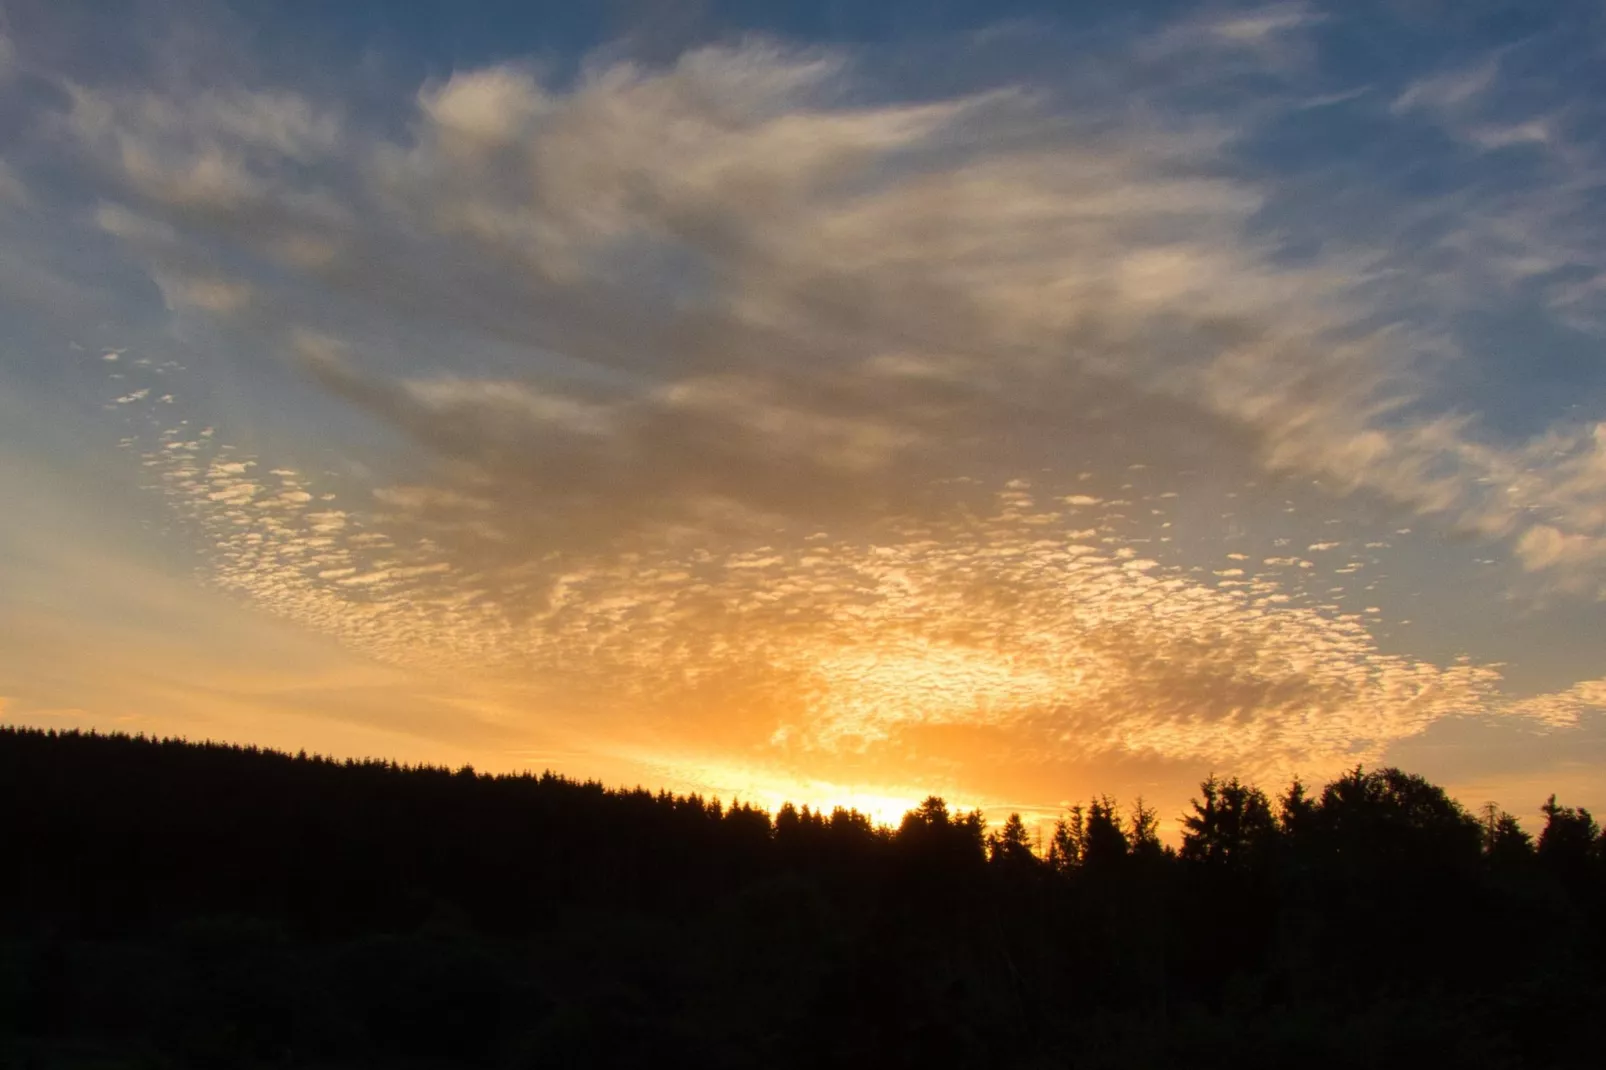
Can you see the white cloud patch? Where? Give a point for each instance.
(1563, 708)
(1449, 90)
(212, 295)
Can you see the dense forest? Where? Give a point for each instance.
(170, 904)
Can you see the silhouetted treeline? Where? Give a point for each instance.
(177, 904)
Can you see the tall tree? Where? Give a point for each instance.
(1569, 840)
(1011, 845)
(1231, 824)
(1065, 845)
(1104, 842)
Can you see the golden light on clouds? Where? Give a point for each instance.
(1029, 633)
(736, 420)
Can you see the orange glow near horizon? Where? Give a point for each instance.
(765, 421)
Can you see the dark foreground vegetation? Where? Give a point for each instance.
(167, 904)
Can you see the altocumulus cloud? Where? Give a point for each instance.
(740, 391)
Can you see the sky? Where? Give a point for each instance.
(833, 402)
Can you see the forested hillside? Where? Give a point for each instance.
(178, 904)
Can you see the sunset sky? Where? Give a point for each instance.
(841, 402)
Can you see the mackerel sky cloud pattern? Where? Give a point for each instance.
(997, 411)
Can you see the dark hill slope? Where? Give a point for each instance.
(178, 904)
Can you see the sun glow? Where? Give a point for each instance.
(824, 797)
(844, 448)
(771, 787)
